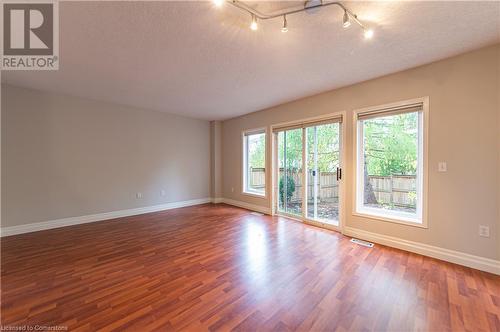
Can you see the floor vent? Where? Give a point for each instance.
(257, 213)
(362, 243)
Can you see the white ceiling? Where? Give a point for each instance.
(192, 59)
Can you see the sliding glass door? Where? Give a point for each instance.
(290, 171)
(308, 171)
(323, 172)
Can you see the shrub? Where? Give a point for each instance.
(290, 189)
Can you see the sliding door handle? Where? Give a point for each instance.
(339, 173)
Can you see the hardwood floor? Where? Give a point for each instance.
(216, 267)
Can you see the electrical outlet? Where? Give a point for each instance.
(138, 195)
(484, 231)
(442, 167)
(162, 192)
(232, 189)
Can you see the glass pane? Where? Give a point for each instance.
(256, 167)
(281, 167)
(290, 171)
(391, 162)
(323, 159)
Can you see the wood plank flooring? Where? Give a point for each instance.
(217, 267)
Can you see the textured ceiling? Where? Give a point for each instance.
(192, 59)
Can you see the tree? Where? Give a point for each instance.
(256, 151)
(391, 144)
(327, 139)
(368, 194)
(293, 149)
(390, 147)
(327, 143)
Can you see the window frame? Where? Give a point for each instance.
(378, 214)
(244, 177)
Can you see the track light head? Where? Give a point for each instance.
(253, 25)
(346, 22)
(368, 33)
(285, 25)
(218, 3)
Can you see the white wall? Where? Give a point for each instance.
(464, 131)
(66, 157)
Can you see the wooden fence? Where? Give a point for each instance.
(398, 190)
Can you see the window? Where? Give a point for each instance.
(254, 162)
(390, 155)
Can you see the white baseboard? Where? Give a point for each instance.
(248, 206)
(40, 226)
(457, 257)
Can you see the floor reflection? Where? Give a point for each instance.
(256, 251)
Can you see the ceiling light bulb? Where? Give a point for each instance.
(285, 24)
(254, 25)
(218, 3)
(368, 33)
(345, 20)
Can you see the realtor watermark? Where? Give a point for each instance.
(30, 32)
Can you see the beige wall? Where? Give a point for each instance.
(215, 159)
(64, 156)
(464, 131)
(498, 153)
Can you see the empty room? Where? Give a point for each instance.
(236, 165)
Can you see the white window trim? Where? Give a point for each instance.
(244, 162)
(392, 216)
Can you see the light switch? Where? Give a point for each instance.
(442, 167)
(484, 231)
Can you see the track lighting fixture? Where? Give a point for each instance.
(346, 22)
(285, 25)
(348, 16)
(254, 25)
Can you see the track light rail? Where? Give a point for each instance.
(262, 16)
(347, 17)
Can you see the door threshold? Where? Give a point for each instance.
(314, 223)
(323, 225)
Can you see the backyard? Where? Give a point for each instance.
(389, 157)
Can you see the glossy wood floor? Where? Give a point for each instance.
(216, 267)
